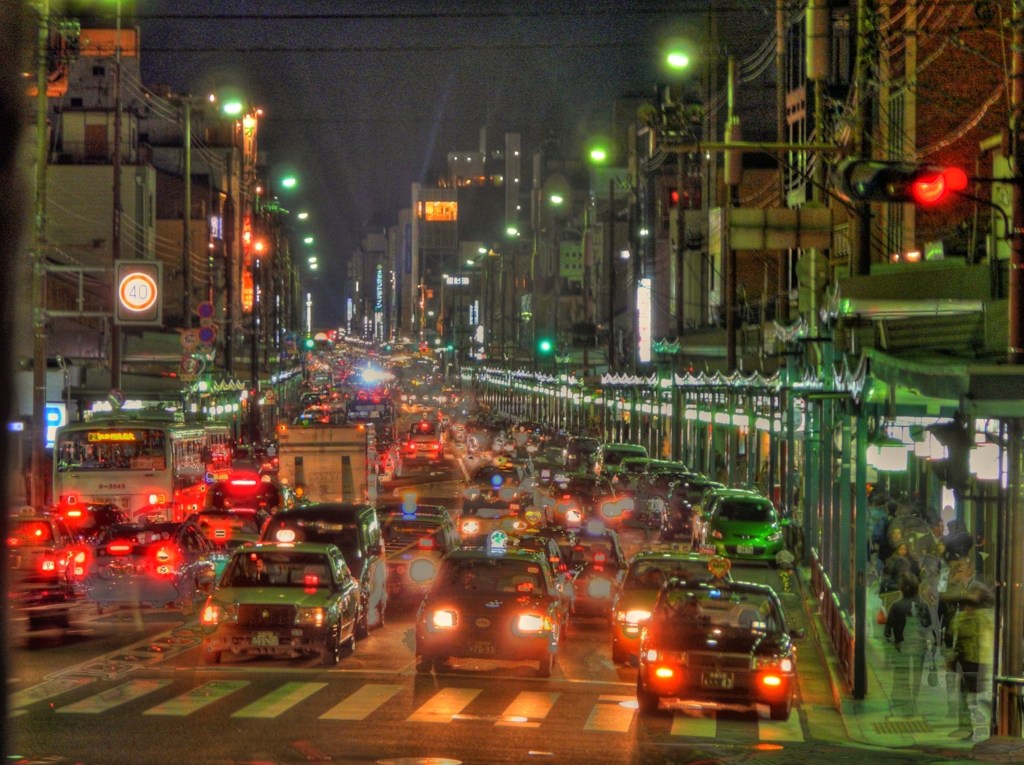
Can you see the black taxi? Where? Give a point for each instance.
(282, 599)
(493, 602)
(717, 642)
(42, 559)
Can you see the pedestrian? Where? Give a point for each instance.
(909, 625)
(958, 542)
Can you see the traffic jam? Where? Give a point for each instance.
(390, 510)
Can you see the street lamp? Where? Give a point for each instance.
(556, 199)
(308, 240)
(312, 258)
(288, 182)
(232, 108)
(313, 266)
(512, 231)
(678, 60)
(302, 215)
(597, 154)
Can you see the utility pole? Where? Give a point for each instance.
(733, 171)
(610, 276)
(230, 231)
(867, 50)
(115, 331)
(186, 240)
(38, 489)
(1016, 328)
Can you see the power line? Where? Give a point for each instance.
(466, 47)
(701, 9)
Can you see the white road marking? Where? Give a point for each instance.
(444, 705)
(114, 697)
(280, 701)
(363, 702)
(790, 730)
(609, 714)
(528, 708)
(694, 727)
(197, 698)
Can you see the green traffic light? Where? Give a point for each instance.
(544, 346)
(309, 343)
(598, 155)
(288, 183)
(678, 60)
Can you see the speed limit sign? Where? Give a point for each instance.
(138, 292)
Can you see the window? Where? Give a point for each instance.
(99, 71)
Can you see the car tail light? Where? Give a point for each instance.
(80, 559)
(119, 548)
(74, 514)
(771, 680)
(664, 672)
(47, 564)
(532, 623)
(243, 482)
(444, 620)
(426, 543)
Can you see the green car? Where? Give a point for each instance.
(741, 524)
(612, 456)
(283, 600)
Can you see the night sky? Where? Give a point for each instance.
(416, 80)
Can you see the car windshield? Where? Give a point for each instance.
(120, 449)
(652, 574)
(597, 550)
(237, 523)
(750, 611)
(491, 576)
(344, 535)
(746, 511)
(28, 532)
(614, 456)
(276, 568)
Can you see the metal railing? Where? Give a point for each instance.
(837, 624)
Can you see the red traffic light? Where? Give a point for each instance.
(898, 182)
(932, 186)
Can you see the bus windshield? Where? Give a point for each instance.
(120, 449)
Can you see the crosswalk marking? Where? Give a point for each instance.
(694, 727)
(363, 702)
(612, 714)
(47, 690)
(527, 709)
(444, 705)
(280, 701)
(776, 730)
(197, 698)
(114, 697)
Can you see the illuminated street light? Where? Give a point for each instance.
(598, 155)
(470, 262)
(513, 231)
(312, 258)
(302, 215)
(678, 60)
(232, 108)
(308, 240)
(313, 266)
(482, 250)
(556, 199)
(289, 182)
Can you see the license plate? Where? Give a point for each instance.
(744, 549)
(264, 638)
(720, 680)
(481, 647)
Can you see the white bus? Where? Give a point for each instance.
(136, 463)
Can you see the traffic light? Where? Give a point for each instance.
(954, 471)
(309, 343)
(544, 345)
(898, 182)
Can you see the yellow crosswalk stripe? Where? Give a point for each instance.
(612, 714)
(694, 727)
(444, 705)
(527, 709)
(280, 701)
(362, 703)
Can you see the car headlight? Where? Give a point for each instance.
(716, 534)
(215, 613)
(444, 620)
(532, 623)
(774, 537)
(773, 662)
(637, 616)
(314, 616)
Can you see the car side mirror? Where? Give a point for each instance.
(634, 660)
(798, 634)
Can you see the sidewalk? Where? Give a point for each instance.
(880, 720)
